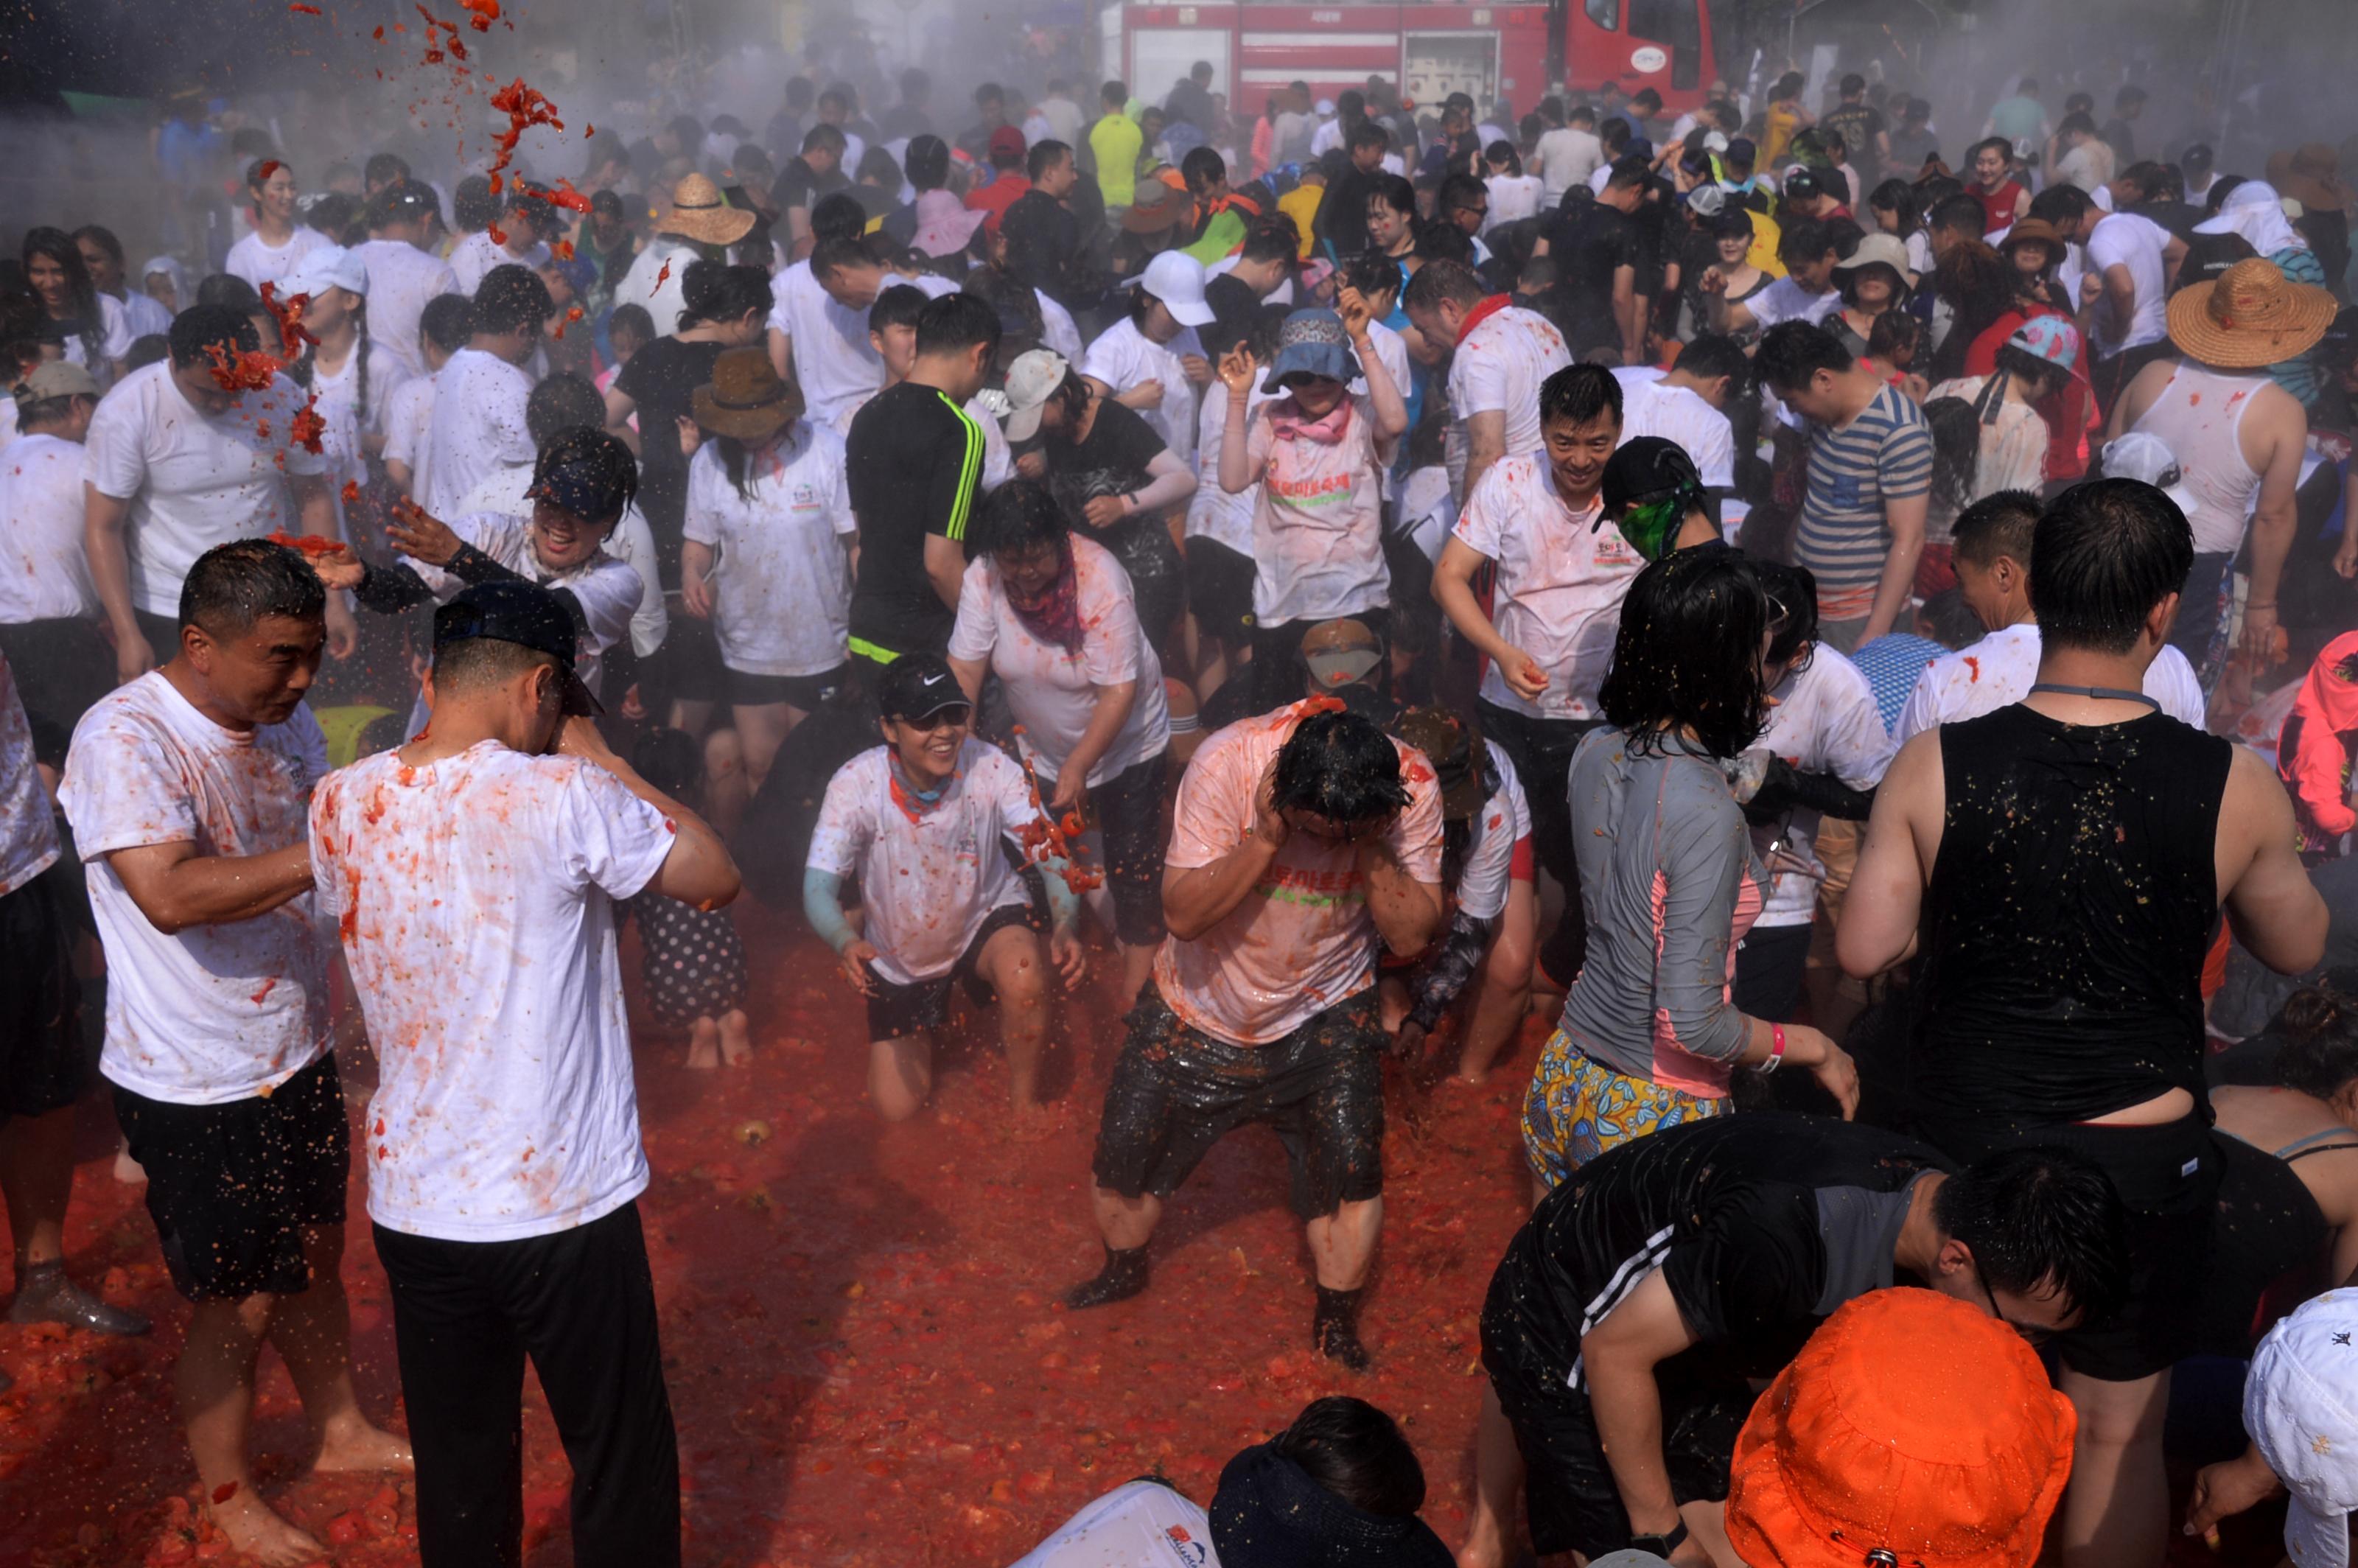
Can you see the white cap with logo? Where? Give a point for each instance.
(2300, 1406)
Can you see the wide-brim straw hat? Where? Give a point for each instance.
(700, 212)
(2251, 317)
(746, 398)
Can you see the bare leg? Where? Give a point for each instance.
(313, 1332)
(1498, 1481)
(901, 1074)
(1016, 967)
(1502, 991)
(1391, 1003)
(214, 1385)
(727, 792)
(691, 714)
(762, 729)
(1707, 1523)
(1343, 1244)
(2117, 1509)
(127, 1170)
(1127, 1224)
(1211, 666)
(36, 1175)
(736, 1037)
(703, 1045)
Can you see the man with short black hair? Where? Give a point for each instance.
(914, 458)
(1500, 357)
(2057, 988)
(49, 610)
(1597, 245)
(1864, 131)
(402, 274)
(1300, 839)
(1688, 404)
(1191, 97)
(990, 113)
(1567, 154)
(503, 1149)
(1043, 237)
(1341, 226)
(517, 238)
(480, 396)
(186, 789)
(815, 172)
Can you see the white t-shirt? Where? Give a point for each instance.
(658, 280)
(44, 568)
(930, 881)
(833, 360)
(114, 334)
(2001, 668)
(632, 543)
(1213, 512)
(1144, 1524)
(408, 430)
(1318, 531)
(258, 262)
(1503, 821)
(1785, 300)
(607, 590)
(1123, 357)
(1513, 197)
(29, 830)
(1679, 413)
(473, 899)
(1562, 576)
(472, 258)
(1825, 721)
(782, 573)
(1427, 511)
(144, 316)
(401, 281)
(193, 480)
(339, 403)
(2127, 240)
(1050, 688)
(1499, 366)
(478, 427)
(1058, 330)
(215, 1013)
(1567, 157)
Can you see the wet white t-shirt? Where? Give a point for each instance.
(114, 334)
(782, 571)
(473, 258)
(1503, 821)
(408, 431)
(28, 831)
(193, 480)
(1498, 367)
(473, 900)
(1142, 1525)
(2128, 240)
(1652, 407)
(401, 281)
(1825, 721)
(834, 362)
(478, 427)
(1562, 576)
(257, 263)
(214, 1013)
(930, 874)
(1123, 357)
(1050, 687)
(2001, 668)
(44, 568)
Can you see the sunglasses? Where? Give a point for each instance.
(956, 713)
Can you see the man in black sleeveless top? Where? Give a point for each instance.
(2067, 859)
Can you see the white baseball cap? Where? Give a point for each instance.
(2142, 455)
(1032, 379)
(330, 266)
(1178, 279)
(2300, 1406)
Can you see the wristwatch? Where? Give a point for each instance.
(1660, 1545)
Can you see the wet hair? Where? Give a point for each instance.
(1687, 655)
(1949, 620)
(1580, 394)
(712, 292)
(899, 305)
(2080, 122)
(1897, 196)
(1202, 166)
(1896, 336)
(1460, 190)
(1502, 151)
(561, 402)
(1045, 155)
(589, 452)
(956, 322)
(672, 760)
(2062, 206)
(1114, 92)
(1628, 172)
(81, 294)
(472, 205)
(1960, 214)
(837, 216)
(384, 168)
(1792, 593)
(103, 238)
(1355, 1453)
(1732, 224)
(2001, 522)
(1395, 191)
(1792, 352)
(1443, 282)
(2106, 552)
(511, 299)
(927, 162)
(2316, 1035)
(146, 349)
(840, 255)
(474, 664)
(2041, 1217)
(1018, 516)
(1973, 153)
(825, 139)
(1369, 133)
(1273, 238)
(233, 586)
(1805, 239)
(206, 326)
(1715, 354)
(1339, 765)
(632, 321)
(449, 320)
(1438, 239)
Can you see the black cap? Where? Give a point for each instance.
(1740, 151)
(918, 685)
(1801, 182)
(1646, 465)
(588, 472)
(525, 613)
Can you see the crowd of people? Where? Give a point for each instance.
(1255, 568)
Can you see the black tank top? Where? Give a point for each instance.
(2071, 906)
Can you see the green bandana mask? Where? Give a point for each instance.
(1650, 526)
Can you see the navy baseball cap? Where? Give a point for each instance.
(525, 613)
(918, 685)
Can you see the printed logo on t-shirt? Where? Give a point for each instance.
(1188, 1548)
(1322, 492)
(1613, 550)
(1322, 890)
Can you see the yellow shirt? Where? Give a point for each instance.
(1116, 140)
(1301, 204)
(1783, 120)
(1765, 237)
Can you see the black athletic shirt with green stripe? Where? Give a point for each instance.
(915, 461)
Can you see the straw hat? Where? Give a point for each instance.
(2251, 317)
(2311, 174)
(699, 213)
(746, 397)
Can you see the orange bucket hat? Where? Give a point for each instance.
(1912, 1431)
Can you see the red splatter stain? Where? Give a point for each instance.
(1972, 669)
(293, 337)
(270, 166)
(310, 543)
(352, 493)
(379, 35)
(309, 427)
(660, 277)
(249, 370)
(499, 236)
(224, 1492)
(2194, 399)
(267, 986)
(307, 10)
(486, 12)
(575, 313)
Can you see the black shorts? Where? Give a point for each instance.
(898, 1010)
(1569, 1494)
(687, 667)
(1129, 812)
(44, 1062)
(2168, 1179)
(1177, 1091)
(231, 1188)
(63, 668)
(741, 689)
(1220, 590)
(2271, 1250)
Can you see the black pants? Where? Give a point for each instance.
(582, 1304)
(1542, 751)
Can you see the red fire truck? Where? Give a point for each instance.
(1431, 48)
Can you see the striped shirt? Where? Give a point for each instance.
(1883, 455)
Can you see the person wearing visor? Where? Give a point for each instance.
(580, 486)
(1318, 455)
(918, 821)
(1654, 493)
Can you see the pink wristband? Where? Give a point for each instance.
(1776, 1047)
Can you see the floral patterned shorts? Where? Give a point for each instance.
(1578, 1107)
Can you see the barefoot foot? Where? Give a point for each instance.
(357, 1446)
(736, 1038)
(255, 1531)
(704, 1045)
